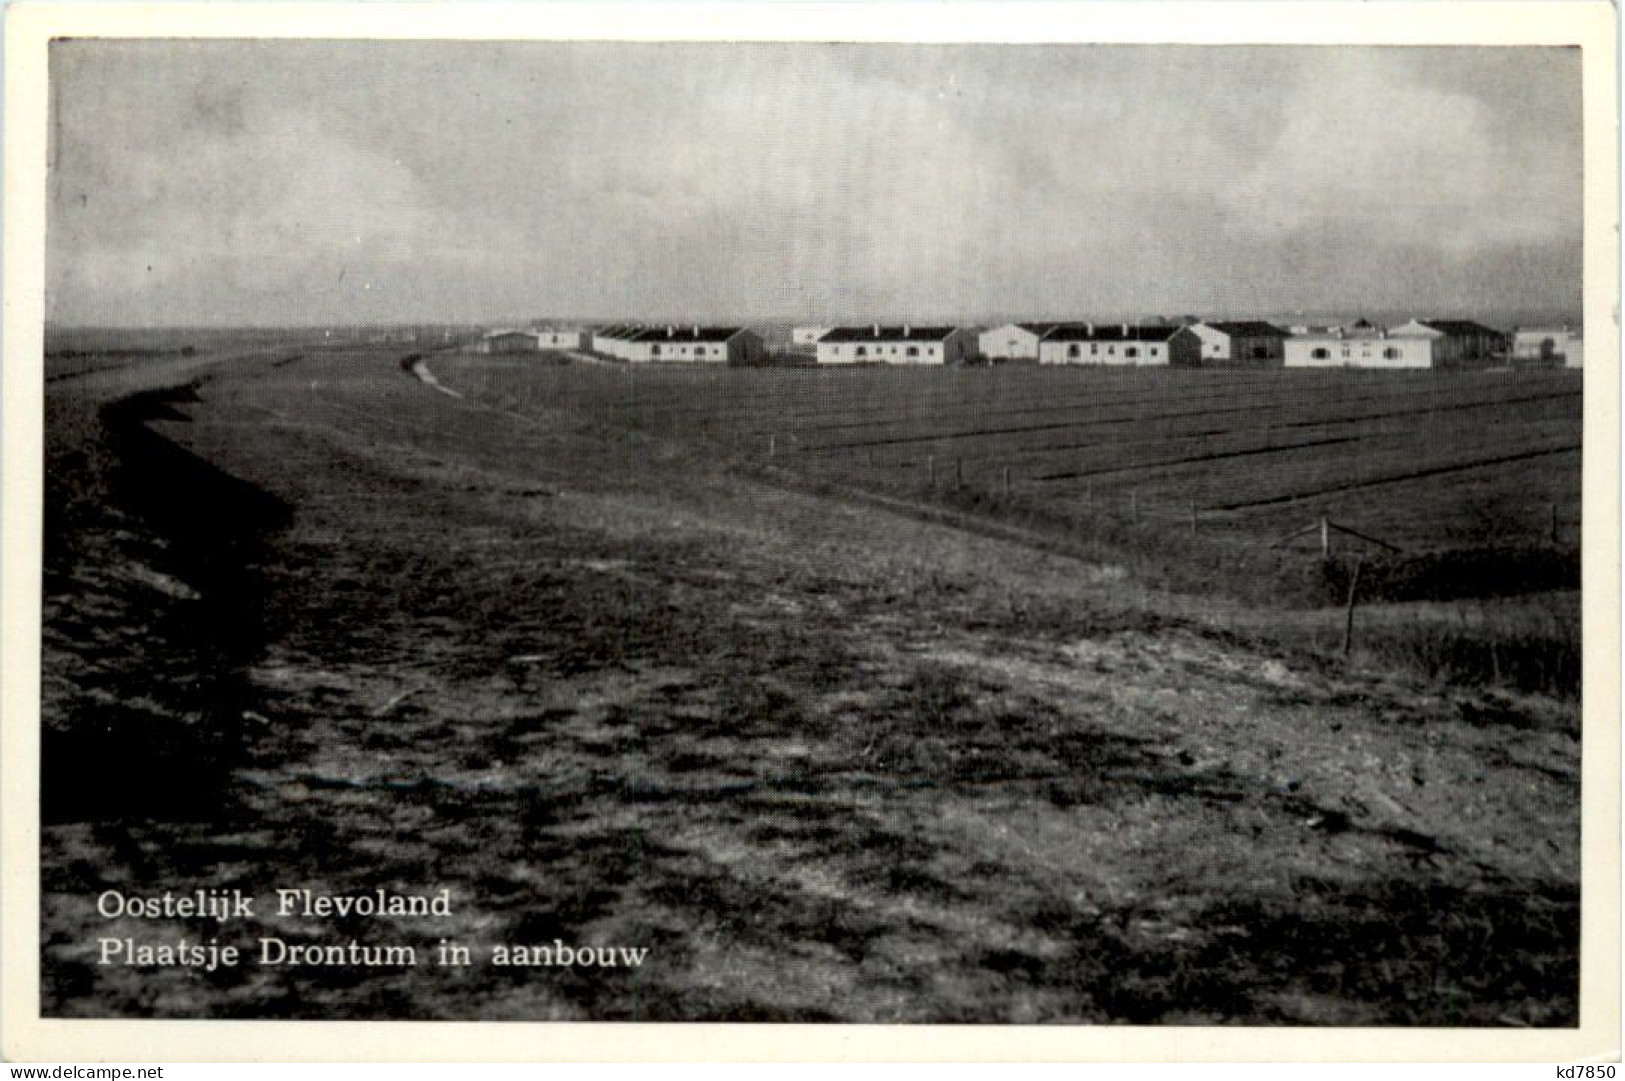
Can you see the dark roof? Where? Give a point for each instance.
(1040, 329)
(620, 330)
(1109, 332)
(686, 334)
(1460, 328)
(1247, 329)
(888, 334)
(1352, 333)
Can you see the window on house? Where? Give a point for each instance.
(913, 351)
(1131, 351)
(1261, 352)
(1320, 354)
(1073, 351)
(861, 351)
(1111, 350)
(1094, 349)
(1391, 353)
(654, 351)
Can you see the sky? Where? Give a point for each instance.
(311, 183)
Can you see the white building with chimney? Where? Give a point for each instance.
(1122, 344)
(1358, 346)
(905, 344)
(695, 344)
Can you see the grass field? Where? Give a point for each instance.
(1189, 479)
(833, 747)
(1424, 460)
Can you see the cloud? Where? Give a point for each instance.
(1369, 148)
(327, 181)
(272, 207)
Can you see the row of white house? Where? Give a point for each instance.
(1419, 343)
(532, 341)
(720, 345)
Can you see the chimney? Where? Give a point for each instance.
(696, 330)
(905, 330)
(1125, 330)
(877, 330)
(1090, 328)
(671, 332)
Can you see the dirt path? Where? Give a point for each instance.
(420, 368)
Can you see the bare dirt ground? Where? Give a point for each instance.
(314, 624)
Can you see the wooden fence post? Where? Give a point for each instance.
(772, 444)
(1007, 482)
(1325, 538)
(1348, 621)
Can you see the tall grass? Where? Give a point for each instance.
(1531, 647)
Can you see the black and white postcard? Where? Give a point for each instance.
(1065, 531)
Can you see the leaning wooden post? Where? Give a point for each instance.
(1007, 482)
(1325, 538)
(1348, 620)
(772, 444)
